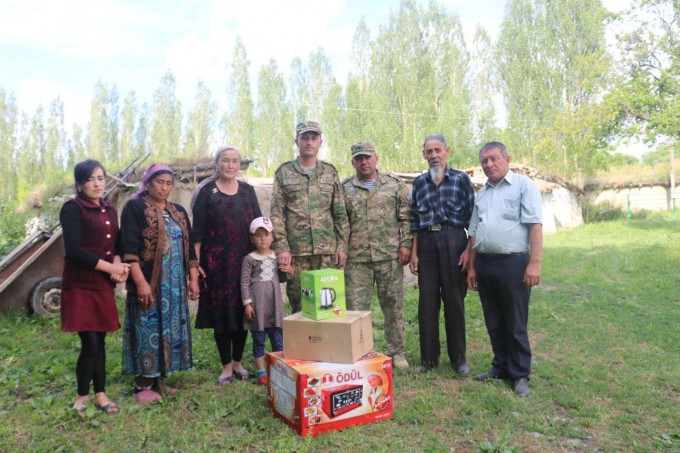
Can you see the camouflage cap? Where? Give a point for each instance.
(363, 148)
(307, 126)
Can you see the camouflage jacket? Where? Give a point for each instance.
(308, 212)
(379, 218)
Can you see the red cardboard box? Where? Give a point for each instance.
(315, 397)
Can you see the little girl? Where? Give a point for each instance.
(261, 293)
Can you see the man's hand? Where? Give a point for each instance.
(340, 260)
(472, 279)
(532, 274)
(287, 269)
(464, 261)
(284, 258)
(404, 256)
(414, 264)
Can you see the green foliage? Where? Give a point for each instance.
(12, 228)
(553, 70)
(649, 87)
(238, 120)
(565, 98)
(274, 117)
(201, 122)
(102, 137)
(658, 156)
(599, 212)
(8, 144)
(166, 122)
(496, 447)
(14, 223)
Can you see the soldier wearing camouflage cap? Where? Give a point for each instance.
(308, 212)
(379, 243)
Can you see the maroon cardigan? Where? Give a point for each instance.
(90, 233)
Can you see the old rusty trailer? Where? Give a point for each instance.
(30, 275)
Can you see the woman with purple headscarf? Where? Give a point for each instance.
(155, 242)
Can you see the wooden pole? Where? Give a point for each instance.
(672, 167)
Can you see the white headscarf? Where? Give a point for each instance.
(214, 176)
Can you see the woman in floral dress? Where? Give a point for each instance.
(157, 338)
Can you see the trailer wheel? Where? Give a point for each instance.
(46, 297)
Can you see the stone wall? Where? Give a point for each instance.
(651, 198)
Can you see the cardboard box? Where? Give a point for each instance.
(315, 397)
(323, 293)
(338, 340)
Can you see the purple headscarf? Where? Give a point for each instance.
(151, 171)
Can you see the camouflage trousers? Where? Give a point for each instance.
(304, 263)
(388, 275)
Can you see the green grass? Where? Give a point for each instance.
(605, 331)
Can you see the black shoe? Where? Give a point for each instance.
(422, 369)
(463, 369)
(491, 374)
(521, 387)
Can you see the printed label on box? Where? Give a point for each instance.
(330, 395)
(323, 293)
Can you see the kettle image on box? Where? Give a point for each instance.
(327, 297)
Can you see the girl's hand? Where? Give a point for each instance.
(250, 312)
(144, 296)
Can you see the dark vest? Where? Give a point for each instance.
(99, 230)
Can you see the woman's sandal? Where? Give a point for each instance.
(224, 380)
(79, 407)
(241, 375)
(147, 396)
(168, 390)
(108, 408)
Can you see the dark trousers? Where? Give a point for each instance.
(440, 280)
(91, 365)
(230, 345)
(275, 335)
(505, 300)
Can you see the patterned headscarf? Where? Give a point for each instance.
(212, 177)
(151, 171)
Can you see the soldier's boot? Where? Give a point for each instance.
(399, 361)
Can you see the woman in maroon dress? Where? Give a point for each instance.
(92, 266)
(223, 208)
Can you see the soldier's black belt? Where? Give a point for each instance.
(441, 227)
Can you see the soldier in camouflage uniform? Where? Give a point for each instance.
(379, 244)
(308, 212)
